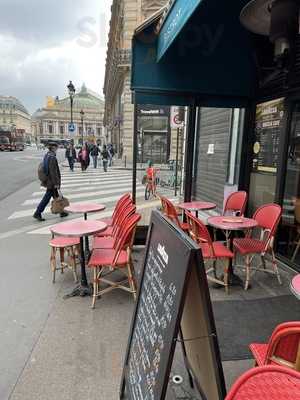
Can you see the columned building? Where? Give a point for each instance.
(13, 115)
(118, 116)
(52, 122)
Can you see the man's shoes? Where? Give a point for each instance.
(38, 217)
(64, 214)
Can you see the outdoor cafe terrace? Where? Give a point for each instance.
(82, 350)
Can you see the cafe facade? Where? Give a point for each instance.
(236, 67)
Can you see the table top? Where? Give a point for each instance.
(197, 205)
(232, 223)
(78, 228)
(295, 286)
(84, 208)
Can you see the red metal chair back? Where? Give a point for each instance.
(284, 345)
(125, 240)
(268, 217)
(123, 217)
(171, 211)
(163, 204)
(199, 232)
(124, 202)
(266, 383)
(236, 203)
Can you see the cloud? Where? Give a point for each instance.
(43, 47)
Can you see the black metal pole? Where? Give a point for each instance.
(82, 130)
(134, 155)
(71, 109)
(189, 153)
(176, 164)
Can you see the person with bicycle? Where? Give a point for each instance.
(150, 181)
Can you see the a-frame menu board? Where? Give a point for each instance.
(172, 276)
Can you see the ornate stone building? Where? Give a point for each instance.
(118, 116)
(52, 121)
(13, 115)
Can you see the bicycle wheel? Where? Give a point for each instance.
(147, 192)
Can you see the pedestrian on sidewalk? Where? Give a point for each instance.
(84, 157)
(105, 157)
(50, 177)
(71, 156)
(95, 153)
(111, 154)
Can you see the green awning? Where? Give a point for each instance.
(208, 60)
(177, 18)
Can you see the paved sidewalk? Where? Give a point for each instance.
(80, 352)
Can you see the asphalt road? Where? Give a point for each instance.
(18, 169)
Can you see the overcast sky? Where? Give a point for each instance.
(43, 45)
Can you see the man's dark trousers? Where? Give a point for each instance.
(71, 163)
(46, 199)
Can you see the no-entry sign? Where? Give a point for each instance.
(176, 121)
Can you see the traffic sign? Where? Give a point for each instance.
(176, 121)
(72, 127)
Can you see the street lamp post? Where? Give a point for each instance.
(72, 90)
(81, 116)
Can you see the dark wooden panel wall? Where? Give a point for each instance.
(211, 169)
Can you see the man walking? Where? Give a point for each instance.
(71, 156)
(95, 153)
(105, 156)
(51, 180)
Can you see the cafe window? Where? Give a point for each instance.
(268, 129)
(289, 232)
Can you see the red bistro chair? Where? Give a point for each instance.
(118, 258)
(122, 202)
(282, 349)
(109, 242)
(112, 230)
(267, 383)
(236, 204)
(171, 213)
(210, 250)
(267, 217)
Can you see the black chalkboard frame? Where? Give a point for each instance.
(194, 258)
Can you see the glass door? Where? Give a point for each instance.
(288, 244)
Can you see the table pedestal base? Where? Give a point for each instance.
(81, 291)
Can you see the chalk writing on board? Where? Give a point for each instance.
(153, 320)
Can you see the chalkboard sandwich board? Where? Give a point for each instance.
(173, 297)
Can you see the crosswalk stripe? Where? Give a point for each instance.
(91, 180)
(145, 206)
(97, 172)
(83, 175)
(81, 195)
(104, 200)
(79, 188)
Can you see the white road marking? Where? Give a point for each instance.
(104, 200)
(80, 195)
(78, 188)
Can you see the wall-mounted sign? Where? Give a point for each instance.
(269, 118)
(211, 148)
(153, 111)
(176, 118)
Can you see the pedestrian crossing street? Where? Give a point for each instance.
(93, 185)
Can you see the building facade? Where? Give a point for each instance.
(52, 122)
(13, 115)
(119, 111)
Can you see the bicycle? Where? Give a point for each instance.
(151, 185)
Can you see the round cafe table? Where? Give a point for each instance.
(229, 225)
(295, 286)
(85, 209)
(196, 206)
(79, 229)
